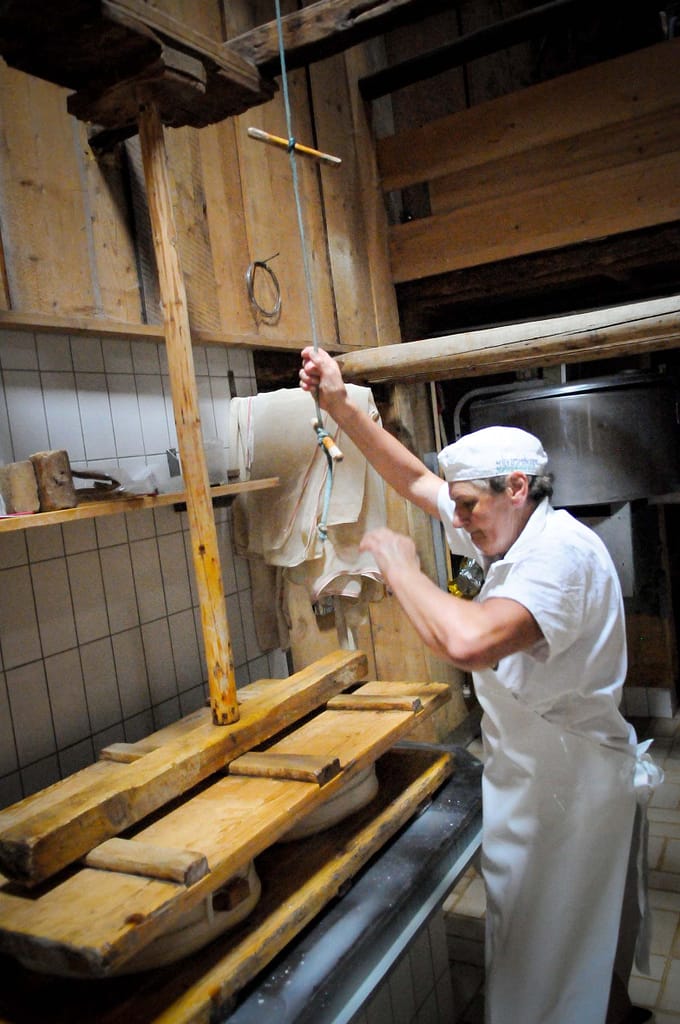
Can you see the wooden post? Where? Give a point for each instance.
(218, 653)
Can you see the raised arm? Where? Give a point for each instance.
(399, 467)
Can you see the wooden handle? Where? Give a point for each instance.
(276, 140)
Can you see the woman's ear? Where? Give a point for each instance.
(518, 485)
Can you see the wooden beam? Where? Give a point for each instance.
(203, 533)
(325, 28)
(96, 327)
(581, 337)
(482, 43)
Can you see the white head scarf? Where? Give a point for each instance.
(493, 451)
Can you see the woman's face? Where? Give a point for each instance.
(492, 520)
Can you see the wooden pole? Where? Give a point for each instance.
(206, 559)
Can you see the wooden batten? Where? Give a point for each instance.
(597, 334)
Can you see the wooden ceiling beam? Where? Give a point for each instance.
(599, 334)
(326, 28)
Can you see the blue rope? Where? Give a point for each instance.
(320, 432)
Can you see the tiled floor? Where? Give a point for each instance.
(660, 990)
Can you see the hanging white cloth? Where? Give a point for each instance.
(272, 435)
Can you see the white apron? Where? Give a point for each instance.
(558, 820)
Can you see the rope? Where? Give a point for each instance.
(320, 432)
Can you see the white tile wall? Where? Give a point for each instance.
(418, 988)
(100, 633)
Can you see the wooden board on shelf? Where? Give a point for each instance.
(131, 503)
(45, 832)
(93, 921)
(298, 880)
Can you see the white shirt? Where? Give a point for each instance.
(561, 572)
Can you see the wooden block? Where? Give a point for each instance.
(49, 830)
(126, 753)
(298, 767)
(135, 858)
(55, 482)
(373, 702)
(19, 487)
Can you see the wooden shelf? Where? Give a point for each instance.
(114, 506)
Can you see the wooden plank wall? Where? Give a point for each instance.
(73, 232)
(588, 154)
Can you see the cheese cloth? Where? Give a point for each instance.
(272, 435)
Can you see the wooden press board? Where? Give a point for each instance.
(298, 880)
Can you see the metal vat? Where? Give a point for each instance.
(609, 439)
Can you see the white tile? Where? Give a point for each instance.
(669, 998)
(79, 535)
(175, 572)
(18, 622)
(41, 774)
(127, 425)
(139, 726)
(119, 588)
(378, 1008)
(89, 601)
(153, 413)
(72, 759)
(101, 687)
(401, 991)
(159, 661)
(128, 654)
(26, 411)
(218, 360)
(9, 762)
(185, 650)
(63, 414)
(56, 620)
(278, 665)
(13, 549)
(661, 703)
(145, 357)
(117, 355)
(200, 360)
(54, 352)
(221, 401)
(140, 525)
(18, 350)
(253, 649)
(238, 643)
(205, 407)
(241, 362)
(166, 713)
(193, 698)
(87, 354)
(166, 520)
(67, 697)
(664, 924)
(422, 970)
(146, 570)
(30, 708)
(111, 531)
(438, 944)
(95, 416)
(47, 542)
(6, 449)
(10, 789)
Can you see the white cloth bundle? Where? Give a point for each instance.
(272, 435)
